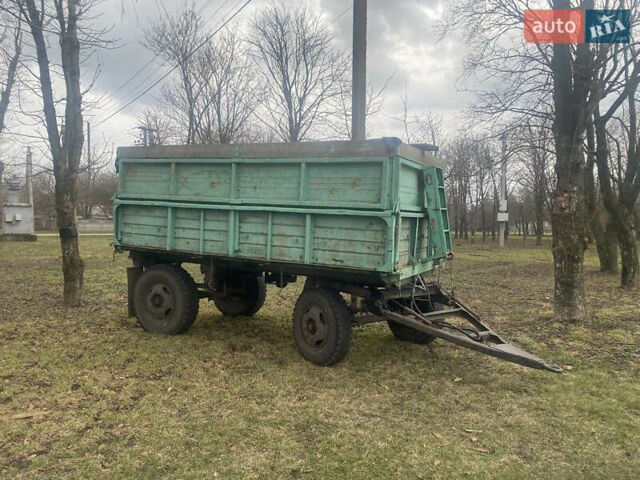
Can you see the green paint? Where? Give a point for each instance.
(382, 216)
(170, 228)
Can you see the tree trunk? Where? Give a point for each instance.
(628, 249)
(604, 235)
(494, 220)
(65, 151)
(10, 79)
(539, 223)
(72, 264)
(483, 215)
(568, 255)
(606, 245)
(571, 84)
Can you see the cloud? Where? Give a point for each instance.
(402, 38)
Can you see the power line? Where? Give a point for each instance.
(341, 15)
(153, 59)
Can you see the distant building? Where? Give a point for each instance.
(17, 211)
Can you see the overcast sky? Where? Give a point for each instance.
(402, 38)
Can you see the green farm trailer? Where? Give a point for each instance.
(366, 219)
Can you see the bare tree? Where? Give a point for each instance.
(620, 179)
(340, 121)
(227, 88)
(104, 189)
(459, 154)
(69, 22)
(618, 164)
(425, 127)
(484, 166)
(90, 177)
(156, 121)
(215, 91)
(300, 68)
(535, 154)
(562, 82)
(10, 50)
(174, 39)
(599, 221)
(44, 199)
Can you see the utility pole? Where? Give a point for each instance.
(359, 72)
(29, 182)
(89, 146)
(147, 136)
(503, 215)
(29, 175)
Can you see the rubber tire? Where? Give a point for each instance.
(185, 294)
(408, 334)
(339, 322)
(249, 304)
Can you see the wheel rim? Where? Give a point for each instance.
(160, 301)
(315, 330)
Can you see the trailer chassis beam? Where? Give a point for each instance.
(486, 341)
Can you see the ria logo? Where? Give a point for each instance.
(607, 26)
(577, 26)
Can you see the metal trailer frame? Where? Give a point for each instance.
(393, 292)
(374, 305)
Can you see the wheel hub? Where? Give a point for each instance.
(160, 301)
(315, 330)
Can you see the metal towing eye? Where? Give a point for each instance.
(481, 338)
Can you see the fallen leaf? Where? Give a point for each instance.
(436, 463)
(468, 430)
(501, 429)
(457, 380)
(233, 447)
(420, 476)
(377, 395)
(481, 450)
(474, 439)
(318, 455)
(499, 412)
(441, 437)
(568, 367)
(20, 416)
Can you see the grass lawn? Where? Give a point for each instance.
(85, 393)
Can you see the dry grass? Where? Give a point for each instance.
(233, 399)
